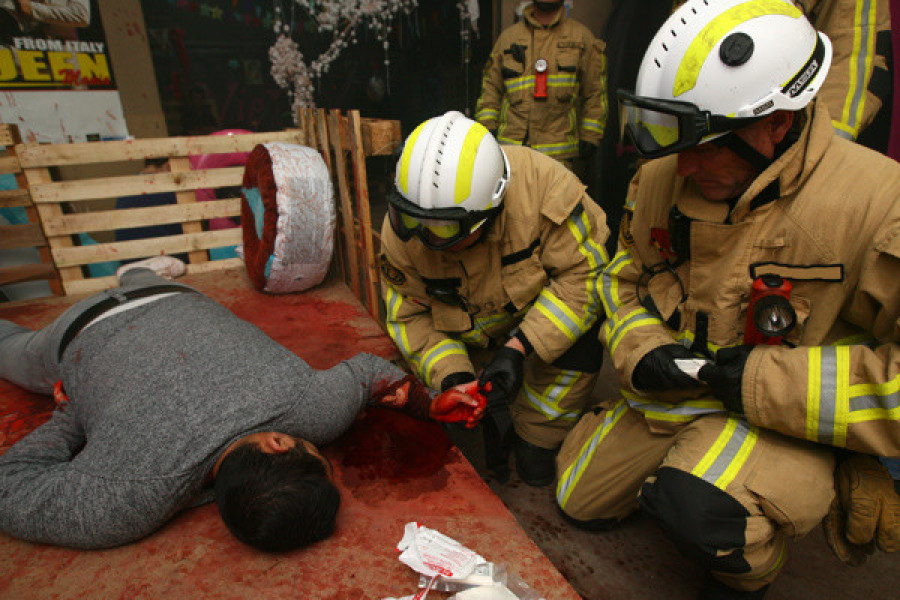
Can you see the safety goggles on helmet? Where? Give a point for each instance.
(438, 229)
(660, 127)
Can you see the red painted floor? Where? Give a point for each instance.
(387, 473)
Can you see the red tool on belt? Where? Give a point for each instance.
(540, 79)
(770, 315)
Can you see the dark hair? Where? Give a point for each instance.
(276, 502)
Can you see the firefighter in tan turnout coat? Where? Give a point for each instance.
(490, 251)
(752, 189)
(544, 85)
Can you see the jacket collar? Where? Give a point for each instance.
(797, 163)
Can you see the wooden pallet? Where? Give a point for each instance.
(52, 199)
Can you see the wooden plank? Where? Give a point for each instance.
(25, 235)
(11, 198)
(97, 284)
(380, 137)
(142, 217)
(361, 185)
(30, 272)
(189, 197)
(174, 244)
(324, 148)
(30, 178)
(9, 164)
(345, 207)
(179, 180)
(38, 155)
(322, 138)
(7, 135)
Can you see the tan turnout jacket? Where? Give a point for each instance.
(833, 230)
(538, 266)
(575, 108)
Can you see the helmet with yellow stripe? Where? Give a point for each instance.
(718, 65)
(450, 180)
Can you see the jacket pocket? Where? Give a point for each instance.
(523, 281)
(449, 318)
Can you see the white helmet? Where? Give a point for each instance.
(451, 177)
(718, 65)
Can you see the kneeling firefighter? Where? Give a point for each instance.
(756, 340)
(492, 256)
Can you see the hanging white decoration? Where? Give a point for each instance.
(341, 19)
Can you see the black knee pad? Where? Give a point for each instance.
(592, 525)
(699, 517)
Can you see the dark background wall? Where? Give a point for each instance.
(212, 66)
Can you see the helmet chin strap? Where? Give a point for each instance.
(736, 144)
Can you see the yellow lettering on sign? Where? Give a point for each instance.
(34, 67)
(8, 70)
(59, 62)
(93, 66)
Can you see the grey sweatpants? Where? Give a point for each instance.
(30, 359)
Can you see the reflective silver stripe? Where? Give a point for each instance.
(596, 254)
(617, 329)
(574, 472)
(728, 453)
(861, 59)
(844, 134)
(827, 394)
(548, 404)
(676, 409)
(573, 328)
(869, 401)
(438, 352)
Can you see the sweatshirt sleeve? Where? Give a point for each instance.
(46, 498)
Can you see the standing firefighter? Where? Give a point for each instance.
(544, 85)
(740, 233)
(496, 252)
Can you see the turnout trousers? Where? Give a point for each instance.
(731, 496)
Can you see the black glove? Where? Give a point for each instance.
(455, 379)
(657, 370)
(504, 373)
(724, 376)
(586, 149)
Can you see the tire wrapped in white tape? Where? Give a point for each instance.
(288, 217)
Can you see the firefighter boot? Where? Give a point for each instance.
(536, 466)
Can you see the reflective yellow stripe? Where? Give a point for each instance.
(573, 472)
(715, 30)
(466, 166)
(406, 157)
(609, 276)
(841, 397)
(813, 392)
(739, 461)
(487, 114)
(552, 149)
(547, 402)
(519, 83)
(860, 66)
(560, 315)
(728, 454)
(638, 318)
(393, 301)
(779, 560)
(437, 353)
(595, 254)
(591, 125)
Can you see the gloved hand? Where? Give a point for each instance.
(504, 373)
(455, 379)
(724, 376)
(463, 403)
(866, 511)
(657, 371)
(586, 149)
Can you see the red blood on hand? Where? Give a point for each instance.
(59, 394)
(463, 403)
